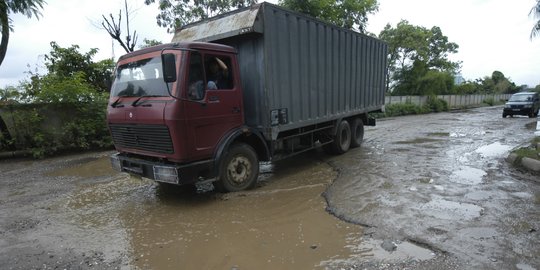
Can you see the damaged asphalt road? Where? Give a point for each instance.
(441, 181)
(423, 192)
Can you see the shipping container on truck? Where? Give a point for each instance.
(287, 83)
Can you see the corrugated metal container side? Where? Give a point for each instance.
(319, 71)
(316, 71)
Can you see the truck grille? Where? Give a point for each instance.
(152, 138)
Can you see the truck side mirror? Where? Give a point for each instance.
(168, 62)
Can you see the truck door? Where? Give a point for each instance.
(216, 101)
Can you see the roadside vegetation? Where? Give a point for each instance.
(531, 151)
(433, 104)
(62, 110)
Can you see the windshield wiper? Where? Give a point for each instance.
(135, 103)
(116, 103)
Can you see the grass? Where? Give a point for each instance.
(531, 151)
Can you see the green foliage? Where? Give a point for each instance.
(27, 8)
(535, 12)
(149, 43)
(435, 104)
(47, 129)
(467, 88)
(66, 62)
(436, 83)
(9, 94)
(418, 80)
(66, 108)
(28, 133)
(72, 77)
(406, 108)
(496, 84)
(73, 89)
(176, 13)
(350, 14)
(489, 101)
(530, 151)
(418, 59)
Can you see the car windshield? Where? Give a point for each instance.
(140, 78)
(521, 97)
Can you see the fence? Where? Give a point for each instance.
(454, 101)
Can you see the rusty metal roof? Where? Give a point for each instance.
(226, 25)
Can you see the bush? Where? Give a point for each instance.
(435, 104)
(489, 101)
(406, 108)
(47, 129)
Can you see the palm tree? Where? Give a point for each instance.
(26, 7)
(535, 12)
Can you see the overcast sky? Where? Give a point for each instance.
(491, 34)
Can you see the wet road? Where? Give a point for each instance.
(423, 192)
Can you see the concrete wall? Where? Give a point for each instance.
(454, 101)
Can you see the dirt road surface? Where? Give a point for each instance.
(423, 192)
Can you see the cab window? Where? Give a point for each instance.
(218, 70)
(196, 83)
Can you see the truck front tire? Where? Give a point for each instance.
(238, 169)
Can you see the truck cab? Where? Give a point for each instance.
(171, 106)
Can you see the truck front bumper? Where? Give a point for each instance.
(160, 172)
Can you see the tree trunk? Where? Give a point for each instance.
(5, 39)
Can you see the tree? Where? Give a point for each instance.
(28, 8)
(176, 13)
(66, 62)
(115, 30)
(503, 85)
(535, 13)
(350, 14)
(72, 76)
(9, 94)
(149, 43)
(416, 54)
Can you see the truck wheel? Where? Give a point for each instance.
(239, 169)
(342, 139)
(357, 132)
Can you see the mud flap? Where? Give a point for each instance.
(370, 122)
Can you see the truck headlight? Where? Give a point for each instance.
(528, 106)
(507, 106)
(166, 174)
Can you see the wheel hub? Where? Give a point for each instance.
(238, 169)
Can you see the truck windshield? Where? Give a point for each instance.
(140, 78)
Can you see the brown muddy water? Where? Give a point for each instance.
(281, 225)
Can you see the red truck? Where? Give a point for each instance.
(257, 84)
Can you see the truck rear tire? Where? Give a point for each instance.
(342, 139)
(239, 169)
(357, 132)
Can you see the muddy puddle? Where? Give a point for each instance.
(283, 224)
(90, 167)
